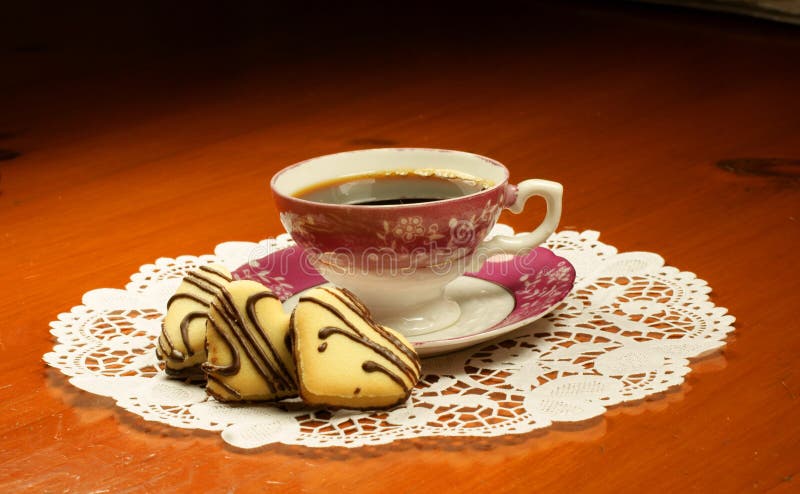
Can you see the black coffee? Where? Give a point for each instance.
(384, 189)
(389, 202)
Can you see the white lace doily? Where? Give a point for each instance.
(627, 330)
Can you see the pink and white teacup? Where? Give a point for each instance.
(398, 258)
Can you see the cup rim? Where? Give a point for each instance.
(365, 207)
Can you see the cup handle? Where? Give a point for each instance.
(552, 193)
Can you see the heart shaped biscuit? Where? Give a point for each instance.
(344, 358)
(181, 345)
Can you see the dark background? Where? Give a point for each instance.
(74, 64)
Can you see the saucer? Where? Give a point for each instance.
(508, 292)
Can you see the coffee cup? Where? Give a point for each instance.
(396, 225)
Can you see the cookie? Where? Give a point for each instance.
(344, 358)
(181, 345)
(249, 358)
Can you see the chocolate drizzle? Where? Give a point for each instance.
(203, 283)
(384, 352)
(353, 300)
(207, 281)
(185, 329)
(165, 346)
(210, 269)
(223, 370)
(288, 340)
(241, 331)
(281, 373)
(371, 366)
(233, 392)
(244, 338)
(357, 307)
(350, 331)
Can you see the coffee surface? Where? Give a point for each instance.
(403, 200)
(385, 189)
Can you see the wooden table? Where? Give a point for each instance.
(128, 134)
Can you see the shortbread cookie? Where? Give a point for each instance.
(346, 359)
(181, 345)
(249, 357)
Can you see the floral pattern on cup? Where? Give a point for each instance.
(409, 240)
(408, 229)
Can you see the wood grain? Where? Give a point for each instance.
(136, 133)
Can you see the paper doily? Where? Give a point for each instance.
(627, 330)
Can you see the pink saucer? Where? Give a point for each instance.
(507, 293)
